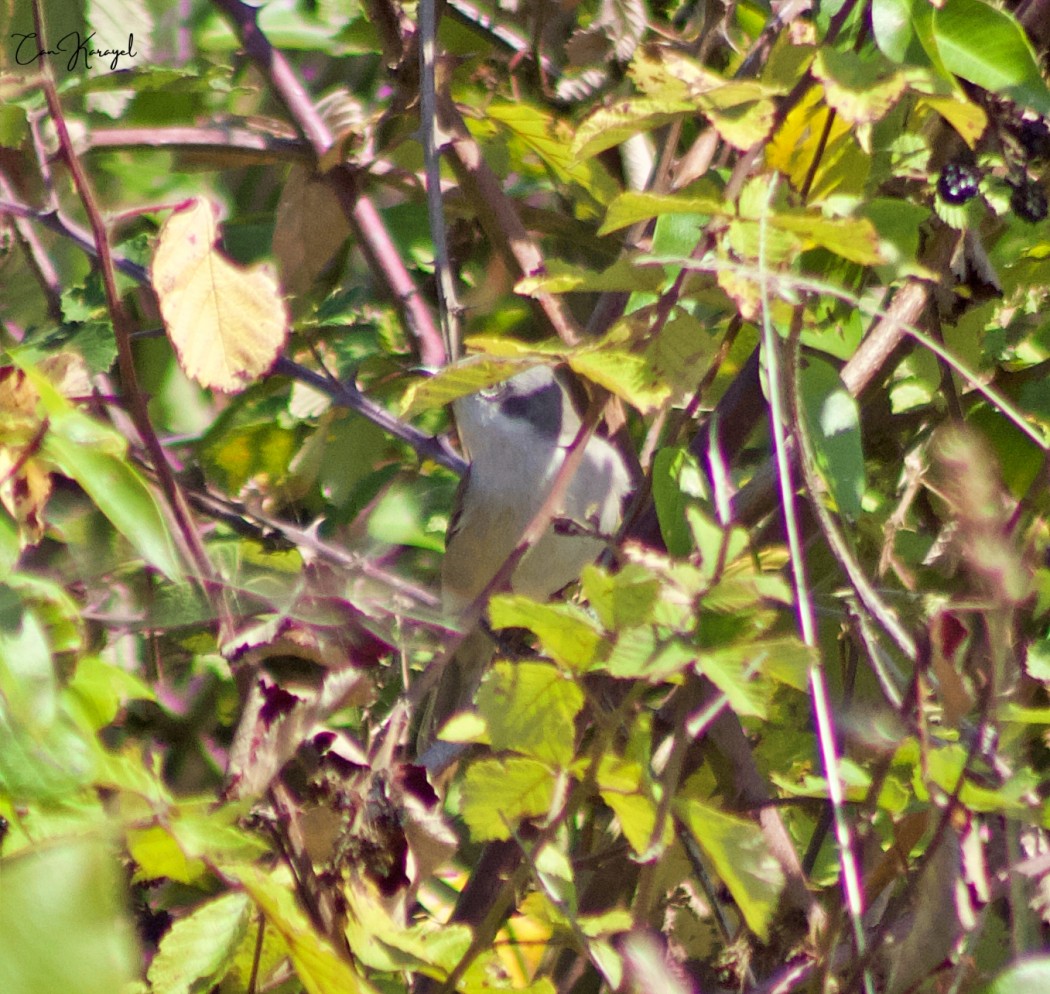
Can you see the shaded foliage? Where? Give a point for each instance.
(788, 733)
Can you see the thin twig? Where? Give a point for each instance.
(256, 146)
(448, 302)
(500, 220)
(37, 257)
(370, 231)
(851, 878)
(122, 330)
(864, 589)
(346, 395)
(54, 221)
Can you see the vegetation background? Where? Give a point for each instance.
(789, 734)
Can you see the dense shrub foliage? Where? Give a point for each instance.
(787, 733)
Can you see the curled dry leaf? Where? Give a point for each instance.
(227, 322)
(25, 479)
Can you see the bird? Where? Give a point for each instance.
(517, 434)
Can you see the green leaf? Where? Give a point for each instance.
(610, 126)
(834, 424)
(317, 962)
(42, 754)
(10, 545)
(742, 859)
(629, 208)
(563, 277)
(987, 47)
(497, 794)
(860, 88)
(621, 600)
(196, 953)
(636, 814)
(1031, 976)
(567, 634)
(670, 500)
(382, 942)
(627, 374)
(531, 708)
(158, 854)
(94, 455)
(632, 652)
(709, 538)
(98, 689)
(457, 381)
(552, 140)
(62, 921)
(741, 110)
(737, 678)
(854, 239)
(13, 128)
(234, 454)
(116, 489)
(892, 25)
(622, 787)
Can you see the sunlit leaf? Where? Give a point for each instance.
(987, 47)
(968, 118)
(530, 708)
(621, 599)
(99, 688)
(612, 125)
(497, 794)
(622, 788)
(892, 25)
(199, 949)
(842, 166)
(457, 381)
(321, 968)
(1030, 976)
(227, 323)
(567, 634)
(627, 374)
(552, 140)
(860, 89)
(158, 854)
(741, 857)
(562, 277)
(633, 206)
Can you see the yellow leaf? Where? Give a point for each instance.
(24, 491)
(968, 118)
(842, 165)
(227, 323)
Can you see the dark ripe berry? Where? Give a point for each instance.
(958, 182)
(1028, 201)
(1034, 137)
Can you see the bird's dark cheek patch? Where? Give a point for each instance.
(540, 408)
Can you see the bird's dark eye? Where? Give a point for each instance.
(494, 391)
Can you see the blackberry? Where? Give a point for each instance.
(958, 182)
(1034, 137)
(1028, 201)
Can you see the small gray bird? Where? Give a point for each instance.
(517, 434)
